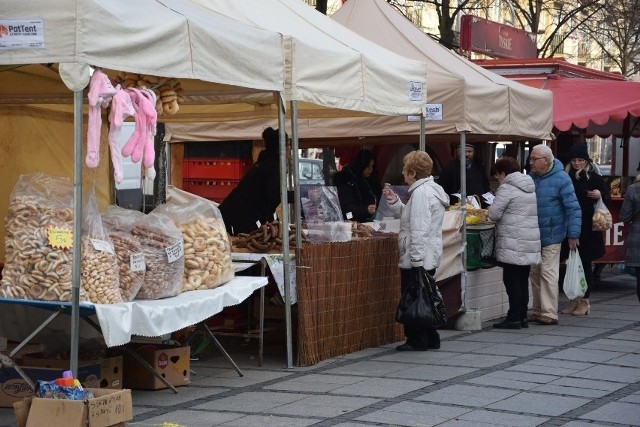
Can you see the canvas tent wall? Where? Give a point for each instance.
(474, 100)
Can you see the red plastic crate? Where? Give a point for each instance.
(213, 189)
(213, 168)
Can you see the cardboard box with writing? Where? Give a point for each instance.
(95, 374)
(106, 409)
(170, 362)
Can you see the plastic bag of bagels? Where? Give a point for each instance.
(207, 251)
(118, 223)
(98, 262)
(161, 246)
(39, 239)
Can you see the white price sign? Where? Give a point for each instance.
(136, 262)
(102, 246)
(174, 252)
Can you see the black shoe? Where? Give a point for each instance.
(409, 347)
(524, 323)
(507, 324)
(434, 346)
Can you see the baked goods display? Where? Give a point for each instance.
(473, 215)
(163, 252)
(124, 254)
(38, 243)
(264, 239)
(207, 254)
(131, 267)
(33, 268)
(99, 272)
(168, 91)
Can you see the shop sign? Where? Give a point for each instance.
(432, 112)
(495, 39)
(21, 34)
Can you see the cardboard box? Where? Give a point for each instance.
(111, 369)
(170, 362)
(107, 408)
(93, 374)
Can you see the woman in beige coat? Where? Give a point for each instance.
(515, 212)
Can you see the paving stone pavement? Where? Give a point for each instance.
(583, 372)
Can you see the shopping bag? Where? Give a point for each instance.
(421, 304)
(575, 284)
(602, 219)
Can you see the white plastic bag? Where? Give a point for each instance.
(575, 284)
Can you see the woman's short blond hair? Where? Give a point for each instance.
(418, 162)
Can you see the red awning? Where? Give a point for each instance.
(599, 106)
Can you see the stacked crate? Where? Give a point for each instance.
(212, 173)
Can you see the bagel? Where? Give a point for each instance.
(171, 107)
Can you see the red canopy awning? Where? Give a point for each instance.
(598, 106)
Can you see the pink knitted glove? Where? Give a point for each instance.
(100, 93)
(121, 108)
(136, 141)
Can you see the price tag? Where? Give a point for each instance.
(174, 252)
(275, 216)
(61, 238)
(102, 246)
(136, 262)
(258, 224)
(349, 215)
(375, 225)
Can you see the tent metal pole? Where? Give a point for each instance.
(423, 130)
(286, 261)
(77, 230)
(463, 205)
(296, 175)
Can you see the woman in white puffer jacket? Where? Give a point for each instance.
(420, 236)
(515, 212)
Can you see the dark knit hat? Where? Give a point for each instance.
(579, 151)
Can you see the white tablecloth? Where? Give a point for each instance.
(276, 267)
(152, 318)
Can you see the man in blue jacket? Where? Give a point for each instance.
(559, 216)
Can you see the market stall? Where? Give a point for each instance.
(472, 105)
(196, 29)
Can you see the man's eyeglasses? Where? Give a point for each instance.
(533, 159)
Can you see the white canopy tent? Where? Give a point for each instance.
(484, 105)
(190, 40)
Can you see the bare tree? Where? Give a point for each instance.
(616, 31)
(568, 17)
(527, 15)
(447, 12)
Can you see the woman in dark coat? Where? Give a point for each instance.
(630, 214)
(589, 188)
(359, 189)
(257, 195)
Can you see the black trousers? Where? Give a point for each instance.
(638, 282)
(418, 337)
(516, 282)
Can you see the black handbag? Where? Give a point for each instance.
(421, 304)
